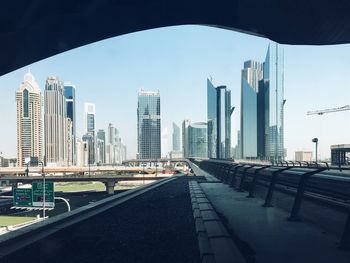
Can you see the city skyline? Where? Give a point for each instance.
(233, 51)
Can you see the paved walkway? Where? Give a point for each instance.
(265, 235)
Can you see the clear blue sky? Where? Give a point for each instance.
(177, 61)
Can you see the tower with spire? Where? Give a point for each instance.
(29, 120)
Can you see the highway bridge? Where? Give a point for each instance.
(109, 180)
(78, 170)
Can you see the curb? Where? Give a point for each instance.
(215, 243)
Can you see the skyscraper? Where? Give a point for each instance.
(219, 121)
(69, 93)
(185, 149)
(29, 120)
(252, 73)
(148, 125)
(57, 127)
(197, 140)
(101, 146)
(176, 137)
(262, 107)
(110, 149)
(89, 114)
(273, 90)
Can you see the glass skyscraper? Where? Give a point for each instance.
(273, 89)
(197, 140)
(219, 121)
(252, 74)
(101, 146)
(90, 113)
(148, 125)
(262, 107)
(69, 93)
(176, 137)
(57, 126)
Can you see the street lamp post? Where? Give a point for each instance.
(315, 140)
(44, 197)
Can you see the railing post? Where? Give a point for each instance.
(227, 170)
(240, 189)
(234, 174)
(229, 179)
(272, 186)
(294, 215)
(255, 178)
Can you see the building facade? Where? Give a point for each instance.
(272, 89)
(197, 140)
(262, 107)
(148, 125)
(29, 120)
(101, 146)
(219, 121)
(303, 156)
(69, 93)
(57, 127)
(185, 149)
(89, 116)
(176, 137)
(252, 74)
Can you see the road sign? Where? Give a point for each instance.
(38, 196)
(22, 197)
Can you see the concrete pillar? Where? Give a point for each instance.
(110, 186)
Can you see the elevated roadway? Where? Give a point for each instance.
(109, 180)
(78, 170)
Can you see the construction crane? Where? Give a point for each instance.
(321, 112)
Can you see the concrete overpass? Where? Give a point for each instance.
(78, 170)
(109, 180)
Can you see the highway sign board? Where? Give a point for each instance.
(22, 197)
(38, 194)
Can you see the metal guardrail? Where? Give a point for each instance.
(304, 179)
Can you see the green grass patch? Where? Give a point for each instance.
(14, 220)
(80, 186)
(86, 186)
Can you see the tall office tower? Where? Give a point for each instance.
(69, 93)
(110, 144)
(185, 149)
(197, 140)
(89, 114)
(124, 152)
(57, 127)
(101, 146)
(148, 125)
(118, 147)
(252, 73)
(176, 137)
(219, 121)
(29, 120)
(272, 101)
(238, 150)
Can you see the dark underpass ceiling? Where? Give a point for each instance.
(37, 29)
